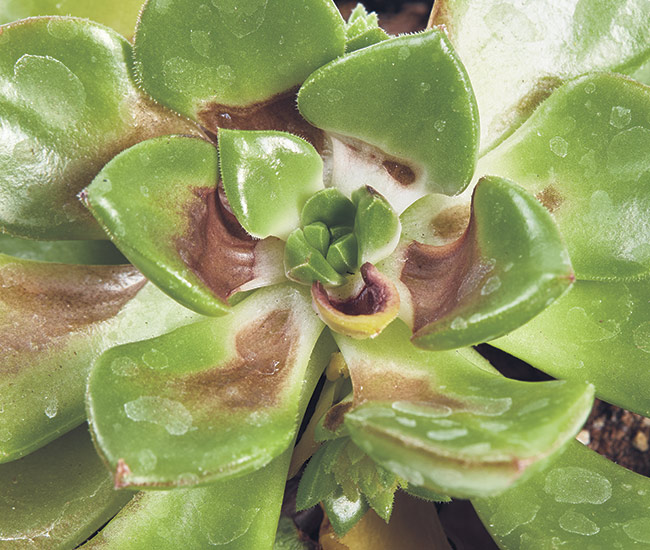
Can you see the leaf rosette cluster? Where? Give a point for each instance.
(198, 226)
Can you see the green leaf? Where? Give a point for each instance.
(598, 332)
(57, 496)
(65, 252)
(198, 57)
(55, 319)
(344, 513)
(583, 154)
(439, 422)
(376, 225)
(410, 98)
(343, 254)
(517, 54)
(506, 267)
(317, 235)
(159, 203)
(211, 400)
(68, 105)
(579, 500)
(318, 481)
(305, 264)
(362, 30)
(233, 514)
(268, 177)
(120, 15)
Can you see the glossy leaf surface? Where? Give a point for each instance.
(234, 514)
(232, 54)
(55, 319)
(208, 401)
(195, 251)
(268, 177)
(508, 266)
(65, 252)
(533, 47)
(376, 226)
(410, 98)
(57, 496)
(120, 15)
(439, 421)
(598, 332)
(579, 500)
(583, 153)
(68, 106)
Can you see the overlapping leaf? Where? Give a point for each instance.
(507, 265)
(516, 52)
(57, 496)
(580, 500)
(160, 204)
(68, 104)
(398, 111)
(440, 421)
(210, 400)
(583, 153)
(55, 319)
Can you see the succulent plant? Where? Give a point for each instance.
(258, 206)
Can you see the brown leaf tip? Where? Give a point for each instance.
(121, 473)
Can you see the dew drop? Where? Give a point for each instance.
(590, 88)
(201, 42)
(440, 125)
(446, 435)
(620, 117)
(155, 359)
(638, 529)
(426, 411)
(50, 88)
(458, 324)
(574, 522)
(576, 485)
(507, 519)
(559, 146)
(491, 285)
(243, 18)
(170, 414)
(408, 422)
(403, 53)
(147, 459)
(124, 366)
(51, 407)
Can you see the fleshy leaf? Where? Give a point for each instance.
(402, 107)
(508, 265)
(120, 15)
(343, 512)
(440, 422)
(599, 332)
(57, 496)
(268, 177)
(68, 105)
(579, 500)
(195, 250)
(306, 264)
(317, 481)
(362, 30)
(534, 47)
(233, 514)
(65, 252)
(288, 537)
(210, 400)
(55, 319)
(583, 153)
(376, 225)
(219, 61)
(364, 314)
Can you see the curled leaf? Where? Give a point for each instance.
(364, 315)
(507, 266)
